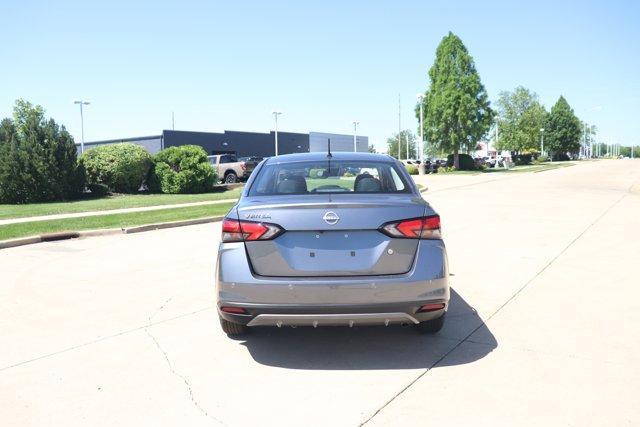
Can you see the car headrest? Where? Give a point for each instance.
(368, 184)
(292, 184)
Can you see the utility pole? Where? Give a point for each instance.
(406, 142)
(542, 141)
(275, 116)
(421, 168)
(399, 129)
(81, 103)
(355, 132)
(173, 121)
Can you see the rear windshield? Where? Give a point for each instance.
(329, 176)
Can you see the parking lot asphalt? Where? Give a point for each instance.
(543, 328)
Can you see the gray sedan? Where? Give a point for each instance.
(331, 239)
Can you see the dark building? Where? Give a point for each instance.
(243, 143)
(240, 143)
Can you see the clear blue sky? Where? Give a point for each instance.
(226, 65)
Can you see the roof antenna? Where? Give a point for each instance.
(329, 147)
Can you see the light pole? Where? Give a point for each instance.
(399, 129)
(542, 141)
(81, 103)
(421, 169)
(355, 133)
(275, 116)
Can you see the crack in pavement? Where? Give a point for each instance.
(128, 331)
(183, 378)
(509, 300)
(171, 367)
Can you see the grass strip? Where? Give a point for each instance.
(112, 202)
(34, 228)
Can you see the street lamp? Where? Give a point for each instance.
(421, 169)
(275, 116)
(81, 103)
(542, 141)
(355, 132)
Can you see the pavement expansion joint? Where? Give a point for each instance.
(509, 300)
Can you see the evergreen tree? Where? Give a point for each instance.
(456, 105)
(563, 129)
(38, 158)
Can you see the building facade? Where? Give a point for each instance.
(244, 144)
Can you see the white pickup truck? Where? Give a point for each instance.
(229, 169)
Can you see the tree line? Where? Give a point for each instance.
(458, 113)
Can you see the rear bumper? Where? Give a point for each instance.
(332, 300)
(330, 315)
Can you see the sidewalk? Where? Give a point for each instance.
(111, 211)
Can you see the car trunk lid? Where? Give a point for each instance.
(331, 235)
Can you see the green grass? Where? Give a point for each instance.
(34, 228)
(112, 202)
(542, 167)
(346, 182)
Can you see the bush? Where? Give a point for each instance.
(98, 190)
(38, 158)
(121, 167)
(541, 159)
(466, 162)
(412, 169)
(522, 159)
(183, 169)
(560, 157)
(446, 169)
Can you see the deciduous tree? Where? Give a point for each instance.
(521, 118)
(392, 145)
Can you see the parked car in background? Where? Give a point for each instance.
(489, 162)
(230, 169)
(326, 249)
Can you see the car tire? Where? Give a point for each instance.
(431, 326)
(232, 329)
(230, 178)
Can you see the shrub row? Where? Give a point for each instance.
(127, 168)
(39, 163)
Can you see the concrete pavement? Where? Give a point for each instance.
(544, 324)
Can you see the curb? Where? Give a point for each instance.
(160, 226)
(65, 235)
(20, 242)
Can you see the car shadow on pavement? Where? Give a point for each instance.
(372, 347)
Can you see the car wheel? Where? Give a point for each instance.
(231, 328)
(230, 178)
(431, 326)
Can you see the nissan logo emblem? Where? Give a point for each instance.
(331, 218)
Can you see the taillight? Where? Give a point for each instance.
(427, 227)
(243, 165)
(238, 231)
(431, 307)
(234, 310)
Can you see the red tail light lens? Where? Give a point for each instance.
(238, 231)
(427, 227)
(431, 307)
(243, 165)
(234, 310)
